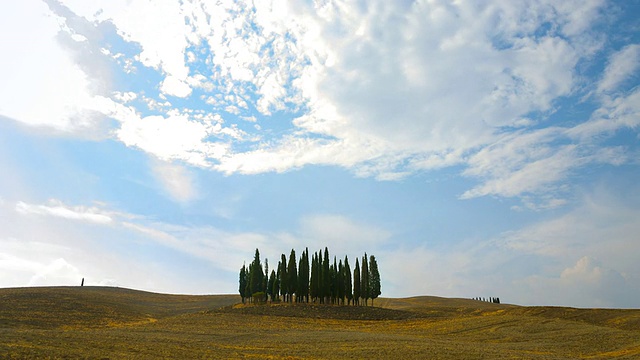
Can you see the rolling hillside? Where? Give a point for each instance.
(96, 322)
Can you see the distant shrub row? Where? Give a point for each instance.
(315, 280)
(495, 300)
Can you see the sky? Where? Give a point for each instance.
(476, 148)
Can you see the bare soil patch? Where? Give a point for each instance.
(321, 311)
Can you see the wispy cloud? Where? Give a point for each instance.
(622, 65)
(176, 180)
(58, 209)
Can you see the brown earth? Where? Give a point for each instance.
(103, 323)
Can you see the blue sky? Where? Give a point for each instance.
(476, 148)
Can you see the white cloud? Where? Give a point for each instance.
(42, 85)
(622, 65)
(176, 180)
(442, 110)
(173, 138)
(58, 272)
(159, 28)
(58, 209)
(176, 87)
(585, 284)
(45, 250)
(374, 89)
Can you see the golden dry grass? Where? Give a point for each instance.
(118, 323)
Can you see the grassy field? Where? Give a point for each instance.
(114, 323)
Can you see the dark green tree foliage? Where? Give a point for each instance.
(256, 275)
(364, 281)
(271, 286)
(340, 282)
(282, 276)
(326, 278)
(265, 280)
(303, 277)
(374, 279)
(317, 279)
(243, 283)
(348, 287)
(314, 279)
(292, 273)
(356, 284)
(332, 282)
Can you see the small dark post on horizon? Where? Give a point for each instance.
(82, 283)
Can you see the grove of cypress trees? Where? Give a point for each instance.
(317, 279)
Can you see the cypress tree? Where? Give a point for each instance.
(334, 283)
(364, 280)
(303, 277)
(292, 272)
(273, 286)
(340, 283)
(326, 277)
(356, 284)
(265, 281)
(348, 287)
(307, 275)
(284, 280)
(243, 282)
(313, 281)
(256, 275)
(374, 279)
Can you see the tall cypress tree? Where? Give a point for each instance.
(340, 283)
(364, 280)
(270, 281)
(243, 282)
(303, 277)
(292, 272)
(374, 279)
(348, 287)
(332, 283)
(326, 277)
(256, 274)
(356, 284)
(313, 281)
(273, 286)
(265, 280)
(307, 275)
(284, 279)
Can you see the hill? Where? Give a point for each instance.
(95, 322)
(96, 307)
